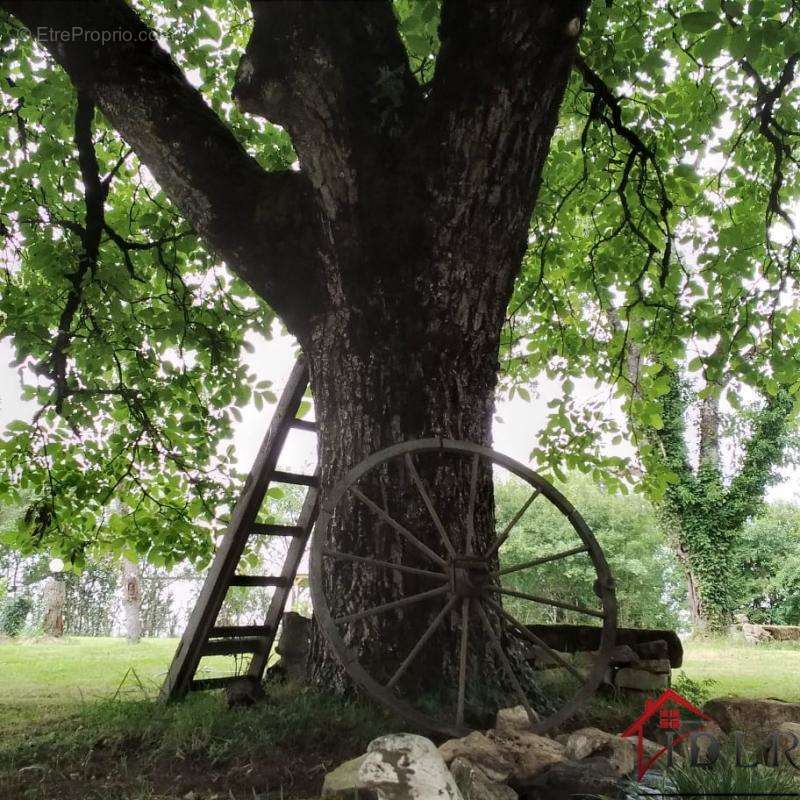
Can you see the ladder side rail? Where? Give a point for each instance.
(215, 587)
(294, 555)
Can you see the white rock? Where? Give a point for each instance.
(402, 766)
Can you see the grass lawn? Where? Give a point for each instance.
(50, 676)
(78, 722)
(741, 670)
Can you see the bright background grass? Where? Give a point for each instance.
(742, 670)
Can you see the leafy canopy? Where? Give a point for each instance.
(665, 229)
(664, 219)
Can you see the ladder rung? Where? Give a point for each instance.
(304, 425)
(201, 684)
(293, 477)
(259, 580)
(268, 529)
(229, 647)
(232, 631)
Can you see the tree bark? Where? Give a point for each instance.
(132, 600)
(700, 624)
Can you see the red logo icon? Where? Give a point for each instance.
(667, 713)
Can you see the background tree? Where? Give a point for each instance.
(650, 588)
(393, 247)
(703, 513)
(766, 566)
(92, 601)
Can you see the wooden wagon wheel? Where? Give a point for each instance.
(469, 586)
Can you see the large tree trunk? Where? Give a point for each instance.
(704, 549)
(373, 387)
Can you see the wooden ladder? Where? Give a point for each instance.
(202, 636)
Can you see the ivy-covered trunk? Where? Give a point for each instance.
(704, 548)
(703, 511)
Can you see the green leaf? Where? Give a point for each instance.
(699, 21)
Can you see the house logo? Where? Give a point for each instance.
(672, 715)
(673, 719)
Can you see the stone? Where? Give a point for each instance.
(783, 633)
(789, 740)
(403, 766)
(640, 680)
(344, 779)
(703, 743)
(660, 666)
(511, 721)
(594, 776)
(293, 645)
(244, 693)
(586, 638)
(480, 750)
(474, 784)
(590, 741)
(529, 754)
(650, 748)
(624, 654)
(541, 658)
(755, 634)
(745, 714)
(657, 648)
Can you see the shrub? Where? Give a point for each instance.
(696, 692)
(13, 611)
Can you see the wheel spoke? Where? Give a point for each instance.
(405, 601)
(534, 639)
(498, 542)
(462, 661)
(403, 531)
(546, 601)
(429, 504)
(421, 643)
(537, 561)
(339, 556)
(498, 648)
(473, 491)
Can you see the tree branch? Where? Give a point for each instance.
(263, 224)
(606, 107)
(500, 77)
(336, 75)
(90, 234)
(778, 138)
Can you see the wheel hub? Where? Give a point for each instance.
(468, 575)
